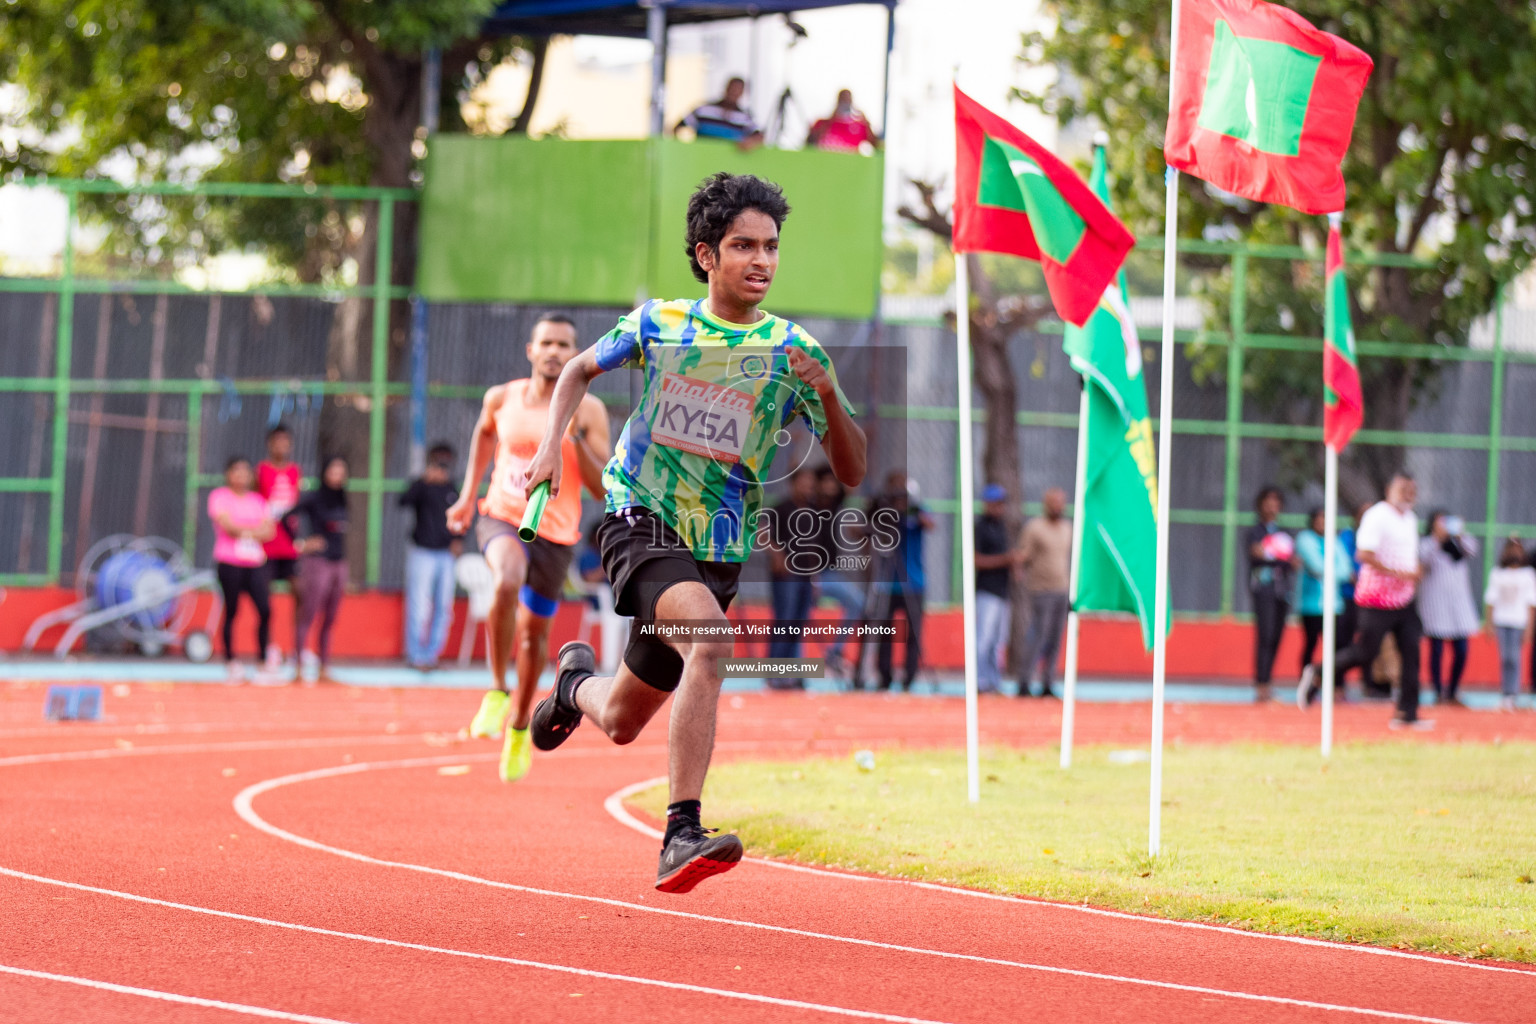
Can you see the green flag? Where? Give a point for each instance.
(1119, 510)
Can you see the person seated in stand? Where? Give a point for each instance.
(725, 119)
(845, 130)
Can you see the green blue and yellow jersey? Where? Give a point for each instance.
(716, 403)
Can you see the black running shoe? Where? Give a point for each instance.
(693, 855)
(557, 715)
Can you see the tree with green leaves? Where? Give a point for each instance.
(1442, 166)
(304, 91)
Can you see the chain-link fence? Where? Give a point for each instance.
(121, 400)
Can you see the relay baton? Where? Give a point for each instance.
(537, 499)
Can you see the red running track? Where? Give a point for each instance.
(215, 854)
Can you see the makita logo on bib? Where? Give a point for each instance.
(727, 399)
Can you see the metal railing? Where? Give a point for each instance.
(1234, 429)
(62, 385)
(378, 388)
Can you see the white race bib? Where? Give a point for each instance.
(703, 418)
(511, 469)
(248, 549)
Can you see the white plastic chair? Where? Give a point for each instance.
(611, 626)
(474, 574)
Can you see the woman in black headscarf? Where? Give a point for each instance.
(319, 525)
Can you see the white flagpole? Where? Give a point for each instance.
(1330, 587)
(1079, 491)
(967, 519)
(1164, 461)
(1330, 552)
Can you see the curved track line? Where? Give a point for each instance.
(170, 997)
(614, 805)
(751, 997)
(243, 807)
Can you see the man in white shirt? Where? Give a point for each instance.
(1387, 544)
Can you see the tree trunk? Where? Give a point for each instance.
(390, 122)
(535, 79)
(992, 367)
(992, 323)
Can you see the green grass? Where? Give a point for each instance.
(1428, 847)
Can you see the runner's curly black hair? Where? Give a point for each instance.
(720, 199)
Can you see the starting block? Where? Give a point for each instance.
(73, 704)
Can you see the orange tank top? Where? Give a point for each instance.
(519, 429)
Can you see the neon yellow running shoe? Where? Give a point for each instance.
(488, 720)
(516, 755)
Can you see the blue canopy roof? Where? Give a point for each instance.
(619, 18)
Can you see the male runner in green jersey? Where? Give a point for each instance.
(722, 381)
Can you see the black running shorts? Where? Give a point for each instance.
(643, 557)
(285, 569)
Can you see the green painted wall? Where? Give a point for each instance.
(519, 220)
(829, 249)
(602, 223)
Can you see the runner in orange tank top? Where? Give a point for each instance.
(529, 577)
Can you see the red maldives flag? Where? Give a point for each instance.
(1343, 407)
(1264, 103)
(1014, 196)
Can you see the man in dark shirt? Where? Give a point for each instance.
(429, 563)
(995, 557)
(796, 559)
(725, 119)
(897, 579)
(1270, 553)
(844, 546)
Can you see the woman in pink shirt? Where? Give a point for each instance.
(240, 525)
(277, 480)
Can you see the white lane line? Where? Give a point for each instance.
(96, 730)
(750, 997)
(243, 807)
(104, 753)
(170, 997)
(614, 805)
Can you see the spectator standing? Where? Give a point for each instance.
(1045, 560)
(1447, 604)
(794, 560)
(1270, 553)
(429, 579)
(1350, 615)
(1530, 560)
(1511, 603)
(725, 118)
(1388, 547)
(837, 582)
(320, 525)
(240, 526)
(995, 556)
(899, 582)
(277, 481)
(845, 130)
(1309, 599)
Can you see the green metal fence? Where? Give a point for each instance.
(67, 285)
(378, 388)
(1234, 429)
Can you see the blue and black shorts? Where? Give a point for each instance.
(548, 564)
